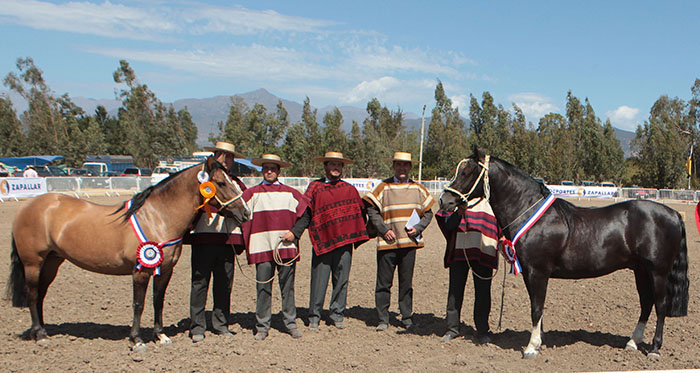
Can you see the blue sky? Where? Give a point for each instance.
(621, 55)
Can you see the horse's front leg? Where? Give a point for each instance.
(537, 289)
(140, 282)
(160, 283)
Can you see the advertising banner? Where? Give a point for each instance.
(363, 185)
(22, 187)
(583, 191)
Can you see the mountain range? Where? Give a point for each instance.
(208, 112)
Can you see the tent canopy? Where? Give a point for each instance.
(35, 160)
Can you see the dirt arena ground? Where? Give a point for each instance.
(586, 322)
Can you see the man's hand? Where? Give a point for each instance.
(288, 237)
(412, 232)
(390, 236)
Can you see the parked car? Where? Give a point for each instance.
(589, 183)
(567, 182)
(3, 171)
(80, 172)
(161, 173)
(133, 171)
(113, 173)
(608, 184)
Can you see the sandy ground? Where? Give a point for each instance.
(586, 322)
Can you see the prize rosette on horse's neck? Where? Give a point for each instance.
(149, 255)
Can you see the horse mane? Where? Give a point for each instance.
(562, 206)
(140, 198)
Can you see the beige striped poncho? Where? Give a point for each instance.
(396, 202)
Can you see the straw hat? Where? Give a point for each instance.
(402, 157)
(333, 156)
(270, 158)
(222, 146)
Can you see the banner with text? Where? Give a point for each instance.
(22, 187)
(363, 185)
(583, 191)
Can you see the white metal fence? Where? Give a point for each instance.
(116, 185)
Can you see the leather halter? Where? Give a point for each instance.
(483, 174)
(223, 205)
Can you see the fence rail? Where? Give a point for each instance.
(122, 184)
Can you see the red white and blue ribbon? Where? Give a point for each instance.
(149, 254)
(508, 246)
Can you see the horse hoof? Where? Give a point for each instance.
(654, 356)
(139, 348)
(164, 340)
(529, 355)
(631, 346)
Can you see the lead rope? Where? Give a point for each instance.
(503, 293)
(277, 258)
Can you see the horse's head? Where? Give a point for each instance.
(468, 182)
(228, 193)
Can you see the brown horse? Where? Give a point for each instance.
(51, 228)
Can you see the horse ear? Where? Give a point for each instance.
(210, 162)
(477, 153)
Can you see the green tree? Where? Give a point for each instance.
(151, 129)
(302, 142)
(12, 139)
(447, 141)
(355, 151)
(557, 148)
(661, 146)
(334, 138)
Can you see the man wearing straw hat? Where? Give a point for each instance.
(335, 218)
(213, 240)
(275, 208)
(400, 209)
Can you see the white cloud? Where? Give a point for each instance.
(106, 19)
(151, 23)
(369, 89)
(461, 102)
(624, 117)
(533, 105)
(266, 63)
(242, 21)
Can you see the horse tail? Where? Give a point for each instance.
(15, 283)
(677, 284)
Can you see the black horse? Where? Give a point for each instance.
(572, 242)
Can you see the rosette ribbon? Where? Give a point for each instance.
(149, 254)
(208, 190)
(508, 246)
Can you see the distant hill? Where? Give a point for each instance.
(208, 112)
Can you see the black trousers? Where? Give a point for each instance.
(482, 296)
(387, 261)
(208, 260)
(263, 306)
(336, 265)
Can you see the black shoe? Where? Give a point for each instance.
(448, 337)
(483, 338)
(295, 333)
(225, 333)
(196, 338)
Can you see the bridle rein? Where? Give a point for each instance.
(483, 174)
